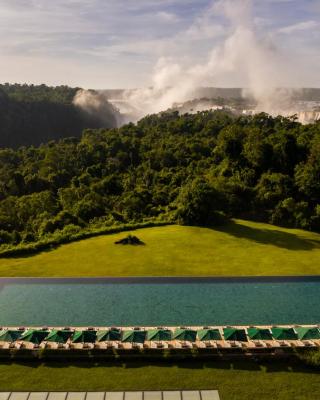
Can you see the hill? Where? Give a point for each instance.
(239, 248)
(32, 115)
(199, 169)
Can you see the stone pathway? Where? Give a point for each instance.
(148, 395)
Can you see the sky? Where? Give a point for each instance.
(118, 43)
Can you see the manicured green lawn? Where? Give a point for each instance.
(240, 248)
(240, 380)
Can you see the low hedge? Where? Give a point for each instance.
(58, 239)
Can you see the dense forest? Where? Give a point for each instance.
(32, 115)
(191, 169)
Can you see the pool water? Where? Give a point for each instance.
(81, 302)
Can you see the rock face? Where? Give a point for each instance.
(130, 239)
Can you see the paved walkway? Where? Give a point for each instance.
(154, 395)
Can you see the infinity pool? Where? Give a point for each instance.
(152, 302)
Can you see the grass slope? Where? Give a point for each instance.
(243, 380)
(240, 248)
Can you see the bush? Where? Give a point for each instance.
(5, 237)
(291, 214)
(199, 203)
(310, 357)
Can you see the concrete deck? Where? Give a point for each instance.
(147, 395)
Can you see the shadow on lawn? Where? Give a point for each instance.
(268, 366)
(277, 238)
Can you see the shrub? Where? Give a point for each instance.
(310, 357)
(199, 203)
(5, 237)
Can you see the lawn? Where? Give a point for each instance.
(245, 380)
(239, 248)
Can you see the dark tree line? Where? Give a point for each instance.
(32, 115)
(192, 169)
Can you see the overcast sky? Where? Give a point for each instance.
(116, 43)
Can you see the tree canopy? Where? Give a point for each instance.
(192, 169)
(36, 114)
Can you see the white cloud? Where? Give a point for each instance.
(300, 26)
(125, 38)
(167, 16)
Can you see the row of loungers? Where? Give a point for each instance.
(250, 345)
(180, 338)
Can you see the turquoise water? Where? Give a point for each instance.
(177, 303)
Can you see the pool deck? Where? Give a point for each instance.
(247, 346)
(136, 395)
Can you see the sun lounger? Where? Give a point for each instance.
(24, 345)
(221, 344)
(250, 345)
(156, 345)
(307, 343)
(298, 343)
(283, 343)
(162, 345)
(210, 345)
(272, 344)
(76, 346)
(259, 343)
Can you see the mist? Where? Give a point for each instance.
(269, 74)
(98, 107)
